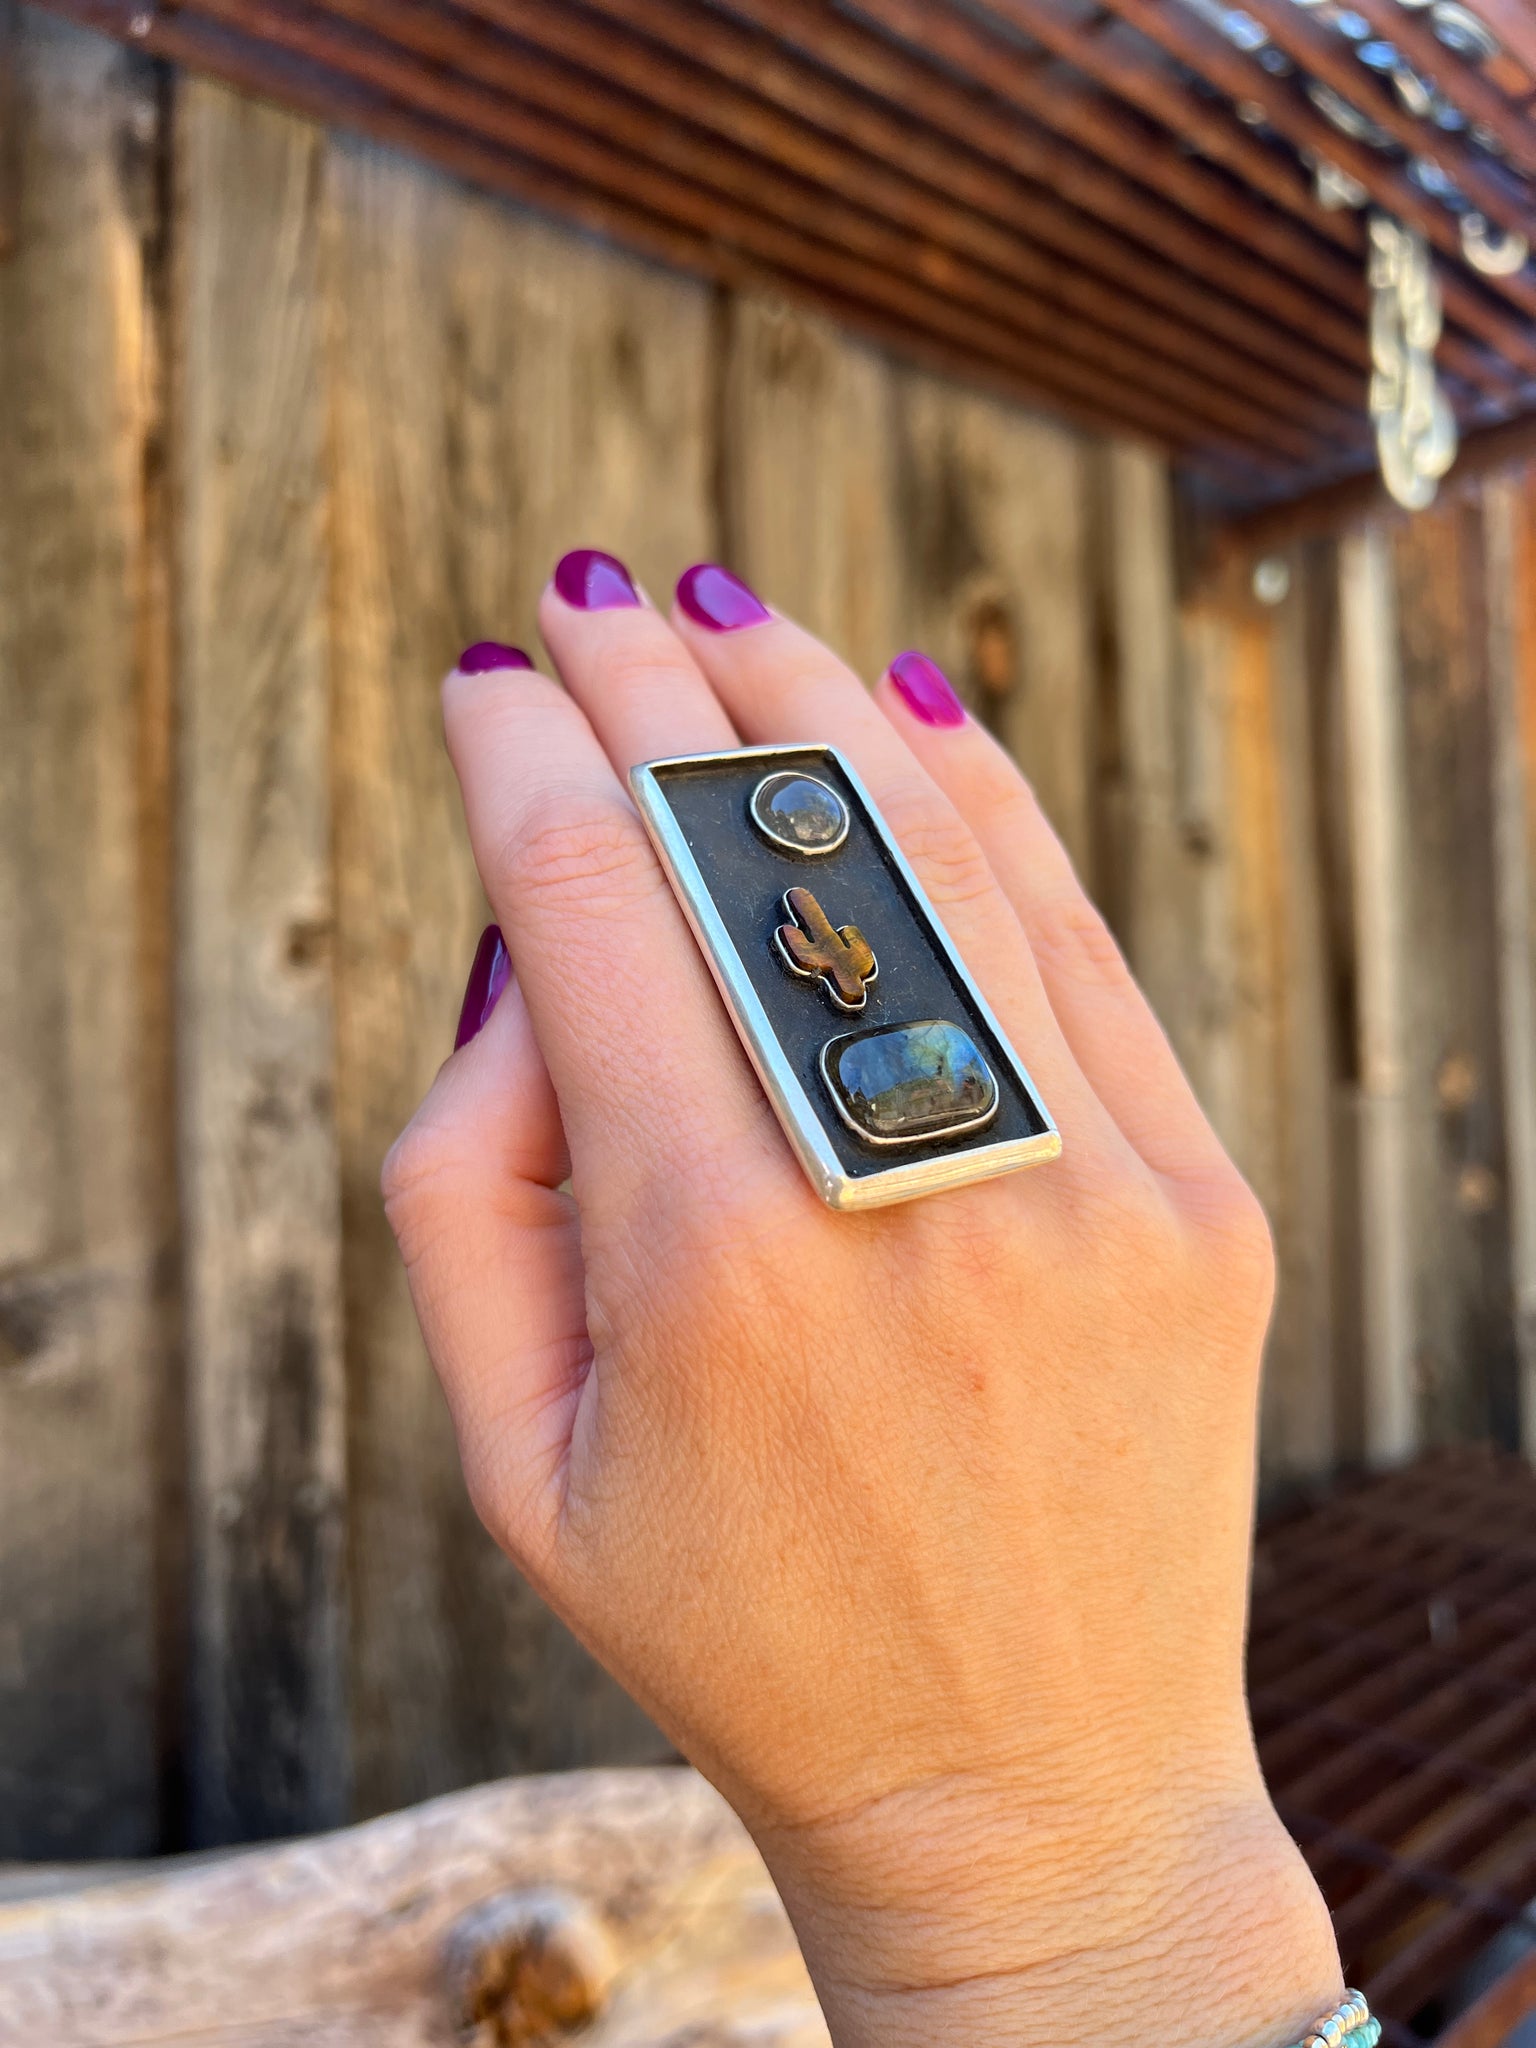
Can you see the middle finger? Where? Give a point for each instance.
(780, 684)
(639, 686)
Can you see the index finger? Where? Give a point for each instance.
(642, 1056)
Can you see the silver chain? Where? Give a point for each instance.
(1415, 427)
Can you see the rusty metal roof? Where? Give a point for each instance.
(1113, 208)
(1392, 1667)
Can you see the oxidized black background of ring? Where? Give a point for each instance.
(857, 885)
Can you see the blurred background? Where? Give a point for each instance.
(296, 400)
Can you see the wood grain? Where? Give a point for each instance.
(343, 1942)
(501, 393)
(995, 580)
(256, 1060)
(1300, 1421)
(807, 476)
(1510, 580)
(1463, 1322)
(1371, 687)
(86, 1216)
(1257, 1030)
(1148, 858)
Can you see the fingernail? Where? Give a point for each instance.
(487, 978)
(593, 581)
(484, 655)
(713, 597)
(925, 689)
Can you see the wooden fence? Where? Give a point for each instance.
(284, 421)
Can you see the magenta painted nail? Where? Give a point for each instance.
(925, 689)
(713, 597)
(485, 655)
(487, 978)
(594, 582)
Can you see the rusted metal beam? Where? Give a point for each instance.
(998, 67)
(1513, 22)
(1205, 128)
(254, 45)
(1050, 147)
(812, 122)
(1493, 2018)
(754, 128)
(583, 129)
(1354, 499)
(1329, 58)
(1183, 37)
(1462, 83)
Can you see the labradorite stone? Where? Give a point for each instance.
(909, 1081)
(800, 813)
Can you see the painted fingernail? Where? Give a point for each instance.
(925, 689)
(594, 582)
(487, 978)
(713, 597)
(484, 655)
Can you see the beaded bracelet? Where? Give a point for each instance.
(1349, 2025)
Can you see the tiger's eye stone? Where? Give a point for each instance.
(799, 813)
(903, 1082)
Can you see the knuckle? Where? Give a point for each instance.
(1238, 1245)
(940, 845)
(564, 847)
(420, 1172)
(1075, 940)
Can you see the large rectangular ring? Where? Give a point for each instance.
(889, 1072)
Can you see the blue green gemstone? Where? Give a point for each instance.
(904, 1082)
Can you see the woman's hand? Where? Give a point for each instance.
(924, 1532)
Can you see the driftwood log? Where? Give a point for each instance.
(628, 1908)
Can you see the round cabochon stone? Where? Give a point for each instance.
(799, 814)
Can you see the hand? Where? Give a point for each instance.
(923, 1532)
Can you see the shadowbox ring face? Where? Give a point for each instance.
(928, 1094)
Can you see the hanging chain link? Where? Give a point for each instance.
(1415, 427)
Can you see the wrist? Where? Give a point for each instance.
(1011, 1922)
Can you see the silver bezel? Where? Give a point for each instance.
(809, 974)
(804, 1127)
(793, 846)
(974, 1123)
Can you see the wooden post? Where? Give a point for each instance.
(258, 1140)
(1368, 637)
(86, 1178)
(1510, 541)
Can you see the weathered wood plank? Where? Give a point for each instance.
(1257, 1028)
(656, 1897)
(1371, 685)
(1510, 571)
(502, 392)
(86, 1220)
(807, 473)
(258, 1143)
(1299, 1424)
(995, 577)
(1148, 857)
(1463, 1324)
